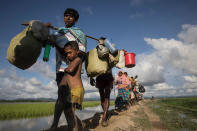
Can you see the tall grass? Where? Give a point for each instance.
(35, 109)
(28, 110)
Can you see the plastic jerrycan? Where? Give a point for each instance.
(129, 59)
(111, 48)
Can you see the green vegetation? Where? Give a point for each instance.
(177, 113)
(35, 109)
(25, 110)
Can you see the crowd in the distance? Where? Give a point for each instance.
(128, 91)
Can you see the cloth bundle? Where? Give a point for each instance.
(25, 48)
(94, 65)
(121, 62)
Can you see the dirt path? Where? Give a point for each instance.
(137, 118)
(154, 119)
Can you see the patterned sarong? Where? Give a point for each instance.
(124, 93)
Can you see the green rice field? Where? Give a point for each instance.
(177, 113)
(33, 109)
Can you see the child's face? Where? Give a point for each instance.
(71, 54)
(69, 20)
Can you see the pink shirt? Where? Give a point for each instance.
(123, 81)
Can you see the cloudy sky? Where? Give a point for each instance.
(163, 34)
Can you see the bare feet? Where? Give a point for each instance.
(104, 123)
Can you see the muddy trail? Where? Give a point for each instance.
(137, 118)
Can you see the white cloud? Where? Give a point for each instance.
(177, 56)
(14, 86)
(149, 69)
(189, 33)
(43, 68)
(162, 86)
(176, 53)
(192, 79)
(189, 90)
(35, 82)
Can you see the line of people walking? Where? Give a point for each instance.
(128, 91)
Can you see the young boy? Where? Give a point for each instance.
(72, 97)
(71, 16)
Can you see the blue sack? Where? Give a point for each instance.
(60, 39)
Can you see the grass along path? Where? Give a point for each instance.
(156, 124)
(35, 109)
(177, 113)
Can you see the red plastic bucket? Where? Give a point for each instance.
(129, 60)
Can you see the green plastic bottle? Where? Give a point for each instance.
(47, 52)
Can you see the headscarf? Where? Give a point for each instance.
(123, 81)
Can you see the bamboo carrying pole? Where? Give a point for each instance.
(56, 28)
(48, 46)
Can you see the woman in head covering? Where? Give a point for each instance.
(122, 83)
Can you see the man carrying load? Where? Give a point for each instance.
(62, 36)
